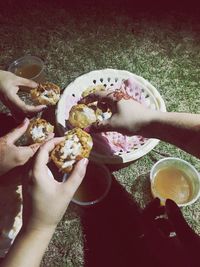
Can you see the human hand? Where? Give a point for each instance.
(128, 116)
(181, 250)
(9, 87)
(11, 155)
(45, 199)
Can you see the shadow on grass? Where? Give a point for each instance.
(112, 232)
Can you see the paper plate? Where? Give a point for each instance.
(109, 78)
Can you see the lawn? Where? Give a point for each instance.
(162, 47)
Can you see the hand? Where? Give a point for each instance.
(11, 155)
(9, 87)
(181, 250)
(128, 116)
(45, 199)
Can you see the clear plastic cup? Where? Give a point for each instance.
(182, 165)
(30, 67)
(94, 187)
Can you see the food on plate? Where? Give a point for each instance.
(112, 143)
(46, 94)
(93, 89)
(101, 116)
(38, 130)
(77, 145)
(81, 116)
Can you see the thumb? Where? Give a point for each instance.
(175, 216)
(76, 177)
(27, 152)
(16, 133)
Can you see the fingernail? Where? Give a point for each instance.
(34, 84)
(43, 107)
(85, 161)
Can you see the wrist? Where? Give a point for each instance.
(38, 231)
(148, 128)
(32, 227)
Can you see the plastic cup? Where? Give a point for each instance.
(30, 67)
(184, 166)
(94, 187)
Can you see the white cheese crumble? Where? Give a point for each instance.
(104, 116)
(72, 148)
(68, 163)
(38, 132)
(49, 94)
(89, 113)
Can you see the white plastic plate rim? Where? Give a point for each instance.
(109, 77)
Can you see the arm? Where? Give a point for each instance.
(129, 117)
(28, 248)
(44, 203)
(179, 129)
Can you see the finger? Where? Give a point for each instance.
(102, 96)
(49, 137)
(27, 152)
(102, 126)
(16, 133)
(103, 106)
(76, 177)
(27, 82)
(183, 230)
(42, 157)
(18, 104)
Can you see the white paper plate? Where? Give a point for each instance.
(109, 77)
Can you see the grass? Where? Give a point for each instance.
(163, 48)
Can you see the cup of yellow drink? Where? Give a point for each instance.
(176, 179)
(30, 67)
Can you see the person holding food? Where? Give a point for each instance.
(179, 129)
(10, 84)
(11, 155)
(37, 130)
(42, 191)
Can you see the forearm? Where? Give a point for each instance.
(179, 129)
(28, 248)
(2, 75)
